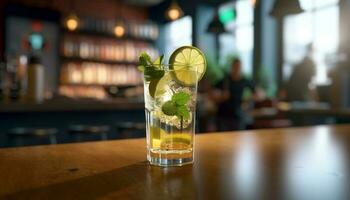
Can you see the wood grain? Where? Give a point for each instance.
(295, 163)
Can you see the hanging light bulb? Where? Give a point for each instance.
(174, 11)
(253, 2)
(72, 22)
(119, 29)
(215, 25)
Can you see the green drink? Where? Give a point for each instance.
(170, 105)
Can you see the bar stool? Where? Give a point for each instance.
(83, 132)
(125, 128)
(32, 136)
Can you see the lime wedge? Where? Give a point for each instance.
(189, 65)
(158, 87)
(152, 87)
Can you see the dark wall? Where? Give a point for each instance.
(63, 120)
(108, 9)
(97, 8)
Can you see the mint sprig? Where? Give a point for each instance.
(151, 73)
(145, 59)
(177, 106)
(159, 61)
(151, 70)
(180, 98)
(169, 108)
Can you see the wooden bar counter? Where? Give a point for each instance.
(296, 163)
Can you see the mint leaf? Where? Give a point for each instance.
(177, 105)
(182, 111)
(169, 108)
(158, 62)
(145, 59)
(151, 73)
(141, 68)
(180, 98)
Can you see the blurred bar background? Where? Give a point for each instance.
(68, 69)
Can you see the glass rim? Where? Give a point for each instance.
(166, 67)
(179, 64)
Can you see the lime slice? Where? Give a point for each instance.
(189, 65)
(158, 87)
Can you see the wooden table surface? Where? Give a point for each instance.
(296, 163)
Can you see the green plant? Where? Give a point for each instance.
(216, 71)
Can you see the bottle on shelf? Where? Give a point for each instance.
(2, 80)
(93, 69)
(142, 30)
(36, 83)
(122, 51)
(99, 74)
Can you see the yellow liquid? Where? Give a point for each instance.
(170, 145)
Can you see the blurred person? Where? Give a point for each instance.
(228, 96)
(299, 87)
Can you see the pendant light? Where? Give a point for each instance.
(119, 29)
(72, 20)
(282, 8)
(215, 25)
(253, 2)
(174, 11)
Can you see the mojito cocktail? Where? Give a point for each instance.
(170, 92)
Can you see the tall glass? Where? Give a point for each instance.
(170, 139)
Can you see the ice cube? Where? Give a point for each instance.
(172, 120)
(149, 101)
(166, 96)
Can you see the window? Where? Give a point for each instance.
(177, 33)
(239, 41)
(319, 26)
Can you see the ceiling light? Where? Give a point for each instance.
(253, 2)
(119, 30)
(72, 22)
(216, 26)
(282, 8)
(174, 11)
